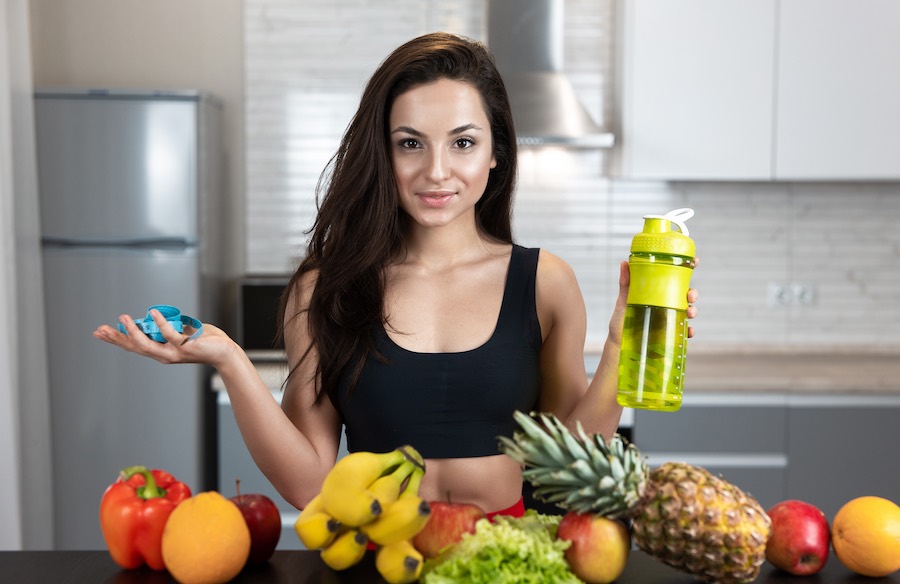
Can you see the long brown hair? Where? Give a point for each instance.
(359, 227)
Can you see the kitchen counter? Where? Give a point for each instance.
(303, 567)
(793, 371)
(748, 369)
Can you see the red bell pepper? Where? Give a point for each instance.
(133, 513)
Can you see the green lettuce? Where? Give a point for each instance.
(510, 550)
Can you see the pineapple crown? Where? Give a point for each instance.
(574, 470)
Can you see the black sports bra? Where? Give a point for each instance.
(451, 405)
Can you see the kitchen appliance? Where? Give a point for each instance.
(129, 186)
(527, 39)
(259, 301)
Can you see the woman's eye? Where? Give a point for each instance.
(464, 143)
(409, 143)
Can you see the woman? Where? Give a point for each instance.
(413, 317)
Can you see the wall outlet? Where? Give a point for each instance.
(804, 294)
(777, 294)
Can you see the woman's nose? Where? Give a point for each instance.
(438, 165)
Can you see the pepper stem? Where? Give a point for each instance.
(149, 490)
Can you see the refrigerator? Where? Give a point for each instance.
(130, 192)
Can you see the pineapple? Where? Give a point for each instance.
(680, 514)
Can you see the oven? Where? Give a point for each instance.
(259, 301)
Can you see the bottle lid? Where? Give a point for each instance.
(658, 236)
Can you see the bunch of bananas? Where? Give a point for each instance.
(369, 497)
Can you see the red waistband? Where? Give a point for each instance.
(515, 510)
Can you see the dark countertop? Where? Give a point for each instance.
(304, 567)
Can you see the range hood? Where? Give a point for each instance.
(526, 37)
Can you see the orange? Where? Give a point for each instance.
(865, 535)
(205, 540)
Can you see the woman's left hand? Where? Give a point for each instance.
(692, 297)
(691, 312)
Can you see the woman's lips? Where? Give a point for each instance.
(435, 200)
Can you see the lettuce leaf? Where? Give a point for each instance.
(510, 550)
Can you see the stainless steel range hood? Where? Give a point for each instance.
(526, 37)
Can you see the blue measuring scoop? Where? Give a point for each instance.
(171, 314)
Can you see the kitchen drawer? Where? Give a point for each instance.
(235, 462)
(749, 426)
(841, 448)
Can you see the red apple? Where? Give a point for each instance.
(799, 540)
(600, 546)
(446, 526)
(264, 521)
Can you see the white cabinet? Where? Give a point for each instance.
(697, 83)
(838, 90)
(759, 89)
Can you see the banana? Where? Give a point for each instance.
(346, 550)
(399, 563)
(316, 528)
(413, 455)
(412, 485)
(386, 489)
(345, 488)
(401, 519)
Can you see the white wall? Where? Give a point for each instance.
(25, 516)
(10, 511)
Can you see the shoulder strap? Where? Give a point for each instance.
(519, 313)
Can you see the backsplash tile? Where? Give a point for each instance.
(305, 67)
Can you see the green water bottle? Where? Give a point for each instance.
(654, 338)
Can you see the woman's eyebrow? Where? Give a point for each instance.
(464, 128)
(407, 130)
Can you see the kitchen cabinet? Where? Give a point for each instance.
(697, 83)
(759, 90)
(838, 90)
(825, 449)
(840, 448)
(235, 462)
(742, 438)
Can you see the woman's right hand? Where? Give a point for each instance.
(212, 347)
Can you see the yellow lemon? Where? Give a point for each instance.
(206, 540)
(865, 535)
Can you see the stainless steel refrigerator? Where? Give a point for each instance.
(130, 187)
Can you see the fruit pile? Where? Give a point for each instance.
(686, 517)
(679, 513)
(368, 497)
(149, 518)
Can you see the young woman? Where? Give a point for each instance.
(414, 317)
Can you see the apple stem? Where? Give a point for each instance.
(237, 486)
